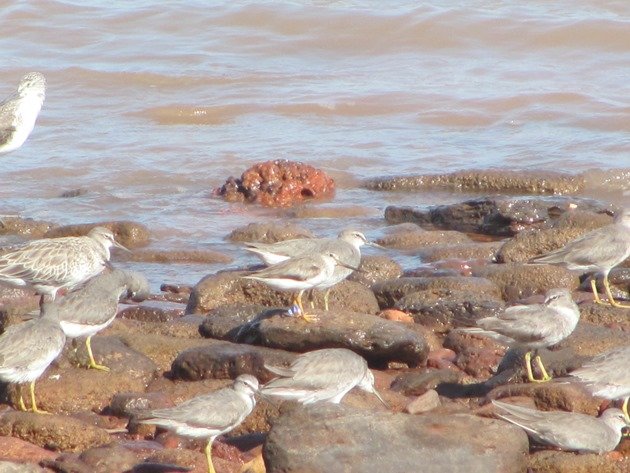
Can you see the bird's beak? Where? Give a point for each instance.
(380, 398)
(118, 245)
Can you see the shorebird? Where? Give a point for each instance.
(567, 430)
(91, 308)
(321, 376)
(19, 111)
(608, 375)
(595, 252)
(346, 247)
(210, 415)
(533, 326)
(28, 348)
(49, 265)
(299, 274)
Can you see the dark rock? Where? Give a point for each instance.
(225, 360)
(488, 180)
(25, 227)
(414, 383)
(388, 293)
(464, 251)
(150, 314)
(279, 183)
(501, 215)
(229, 288)
(518, 281)
(340, 439)
(375, 269)
(129, 234)
(374, 338)
(449, 308)
(60, 433)
(412, 240)
(178, 256)
(107, 459)
(127, 403)
(269, 232)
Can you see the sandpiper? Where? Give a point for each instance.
(608, 375)
(19, 111)
(89, 309)
(49, 265)
(596, 252)
(533, 326)
(321, 375)
(28, 348)
(567, 430)
(210, 415)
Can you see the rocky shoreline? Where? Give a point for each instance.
(189, 340)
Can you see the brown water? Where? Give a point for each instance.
(149, 107)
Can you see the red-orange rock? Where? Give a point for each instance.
(278, 183)
(396, 315)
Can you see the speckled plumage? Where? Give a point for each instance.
(567, 430)
(19, 111)
(325, 375)
(48, 265)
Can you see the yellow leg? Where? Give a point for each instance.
(326, 295)
(21, 405)
(298, 302)
(611, 299)
(624, 408)
(530, 371)
(33, 403)
(208, 452)
(93, 363)
(595, 293)
(545, 375)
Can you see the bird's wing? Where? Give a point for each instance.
(526, 324)
(301, 269)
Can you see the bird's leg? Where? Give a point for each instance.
(92, 364)
(545, 375)
(33, 403)
(611, 299)
(598, 300)
(528, 367)
(208, 452)
(624, 408)
(326, 295)
(311, 297)
(530, 371)
(21, 405)
(298, 302)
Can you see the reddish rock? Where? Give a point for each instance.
(278, 183)
(15, 449)
(396, 315)
(425, 403)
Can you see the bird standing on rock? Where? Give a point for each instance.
(19, 111)
(51, 264)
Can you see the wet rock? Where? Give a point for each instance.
(423, 403)
(374, 338)
(279, 183)
(374, 269)
(269, 232)
(107, 459)
(92, 389)
(11, 467)
(464, 251)
(336, 212)
(569, 226)
(419, 238)
(488, 180)
(53, 432)
(128, 234)
(25, 227)
(390, 442)
(225, 360)
(228, 288)
(449, 308)
(125, 404)
(518, 281)
(396, 316)
(476, 355)
(500, 216)
(14, 304)
(18, 450)
(178, 256)
(388, 293)
(144, 313)
(603, 314)
(550, 461)
(415, 384)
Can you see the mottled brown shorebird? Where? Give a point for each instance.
(91, 308)
(28, 348)
(595, 252)
(49, 265)
(210, 415)
(19, 111)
